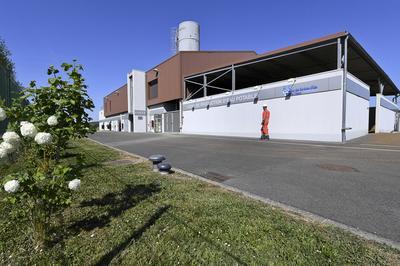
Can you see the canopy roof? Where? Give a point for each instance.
(302, 59)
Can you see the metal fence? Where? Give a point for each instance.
(9, 89)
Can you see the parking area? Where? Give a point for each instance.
(357, 184)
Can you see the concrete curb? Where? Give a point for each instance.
(305, 214)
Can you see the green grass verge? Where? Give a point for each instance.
(131, 216)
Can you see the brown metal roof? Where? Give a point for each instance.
(320, 40)
(202, 51)
(285, 49)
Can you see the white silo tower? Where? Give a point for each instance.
(188, 36)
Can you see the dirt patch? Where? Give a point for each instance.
(337, 167)
(125, 160)
(383, 139)
(216, 177)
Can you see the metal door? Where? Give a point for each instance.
(158, 123)
(397, 122)
(171, 121)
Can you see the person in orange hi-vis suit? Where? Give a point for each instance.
(264, 123)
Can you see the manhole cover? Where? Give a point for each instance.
(337, 167)
(216, 177)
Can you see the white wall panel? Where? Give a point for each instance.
(137, 100)
(385, 117)
(357, 116)
(314, 116)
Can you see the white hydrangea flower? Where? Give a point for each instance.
(43, 138)
(11, 137)
(8, 147)
(28, 129)
(2, 114)
(74, 184)
(3, 153)
(11, 186)
(52, 120)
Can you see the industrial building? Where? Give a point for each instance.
(318, 90)
(165, 87)
(125, 108)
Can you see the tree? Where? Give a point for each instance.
(5, 60)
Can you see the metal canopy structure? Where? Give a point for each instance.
(336, 51)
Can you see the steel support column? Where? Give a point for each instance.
(184, 89)
(339, 54)
(381, 86)
(233, 79)
(205, 85)
(344, 89)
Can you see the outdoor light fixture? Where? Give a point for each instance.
(156, 70)
(156, 159)
(164, 168)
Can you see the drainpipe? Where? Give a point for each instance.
(180, 115)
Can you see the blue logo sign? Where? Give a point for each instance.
(287, 91)
(290, 91)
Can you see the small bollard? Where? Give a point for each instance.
(156, 159)
(164, 168)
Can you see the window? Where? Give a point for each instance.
(153, 89)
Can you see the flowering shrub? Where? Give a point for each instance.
(11, 186)
(28, 129)
(52, 120)
(37, 132)
(43, 138)
(74, 184)
(11, 137)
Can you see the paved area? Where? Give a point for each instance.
(357, 184)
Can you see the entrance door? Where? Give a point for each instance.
(171, 121)
(158, 123)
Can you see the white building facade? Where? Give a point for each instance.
(131, 105)
(309, 109)
(387, 115)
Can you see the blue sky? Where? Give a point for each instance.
(112, 37)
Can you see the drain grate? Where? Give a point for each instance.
(337, 167)
(216, 177)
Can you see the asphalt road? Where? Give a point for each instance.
(357, 184)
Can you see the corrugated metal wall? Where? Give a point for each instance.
(8, 90)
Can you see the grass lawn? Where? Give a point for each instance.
(126, 214)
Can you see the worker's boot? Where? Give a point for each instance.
(262, 137)
(267, 137)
